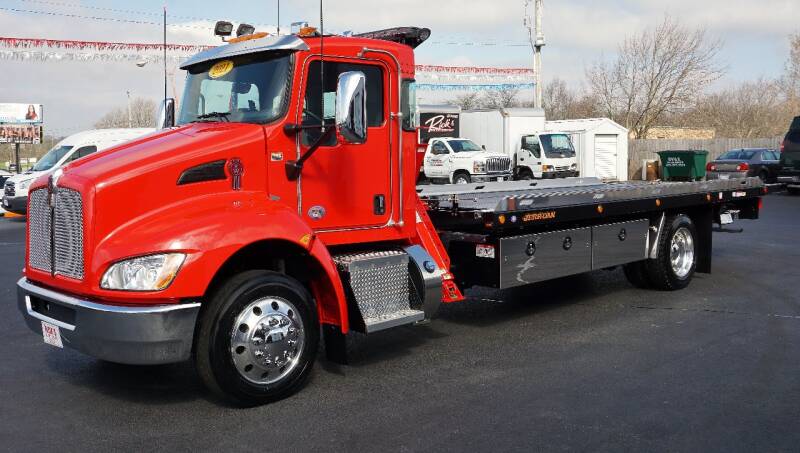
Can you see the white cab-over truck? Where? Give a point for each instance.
(461, 161)
(519, 133)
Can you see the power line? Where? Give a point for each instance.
(446, 41)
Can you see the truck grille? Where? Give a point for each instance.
(63, 255)
(10, 189)
(498, 164)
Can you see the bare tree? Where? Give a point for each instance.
(467, 101)
(654, 73)
(142, 115)
(749, 110)
(500, 98)
(561, 102)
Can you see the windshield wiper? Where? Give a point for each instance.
(209, 115)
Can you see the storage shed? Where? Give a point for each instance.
(601, 146)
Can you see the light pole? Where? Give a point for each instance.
(536, 37)
(130, 118)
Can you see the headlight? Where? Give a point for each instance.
(479, 167)
(144, 273)
(24, 184)
(547, 168)
(573, 166)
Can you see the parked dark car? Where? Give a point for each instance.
(790, 158)
(741, 163)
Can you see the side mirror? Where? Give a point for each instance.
(166, 114)
(351, 107)
(484, 147)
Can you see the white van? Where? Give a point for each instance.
(15, 191)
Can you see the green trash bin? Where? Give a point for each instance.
(683, 165)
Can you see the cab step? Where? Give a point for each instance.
(379, 289)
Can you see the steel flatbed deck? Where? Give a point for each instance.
(520, 204)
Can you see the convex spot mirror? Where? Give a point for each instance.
(351, 107)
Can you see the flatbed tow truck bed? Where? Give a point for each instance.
(527, 203)
(506, 234)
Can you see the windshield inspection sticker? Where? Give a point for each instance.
(220, 69)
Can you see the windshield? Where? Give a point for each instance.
(246, 89)
(463, 146)
(557, 145)
(51, 158)
(791, 159)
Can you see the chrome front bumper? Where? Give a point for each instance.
(132, 335)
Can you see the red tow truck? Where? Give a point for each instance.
(279, 209)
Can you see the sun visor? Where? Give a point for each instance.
(284, 42)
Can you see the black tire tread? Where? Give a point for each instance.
(659, 270)
(204, 336)
(636, 273)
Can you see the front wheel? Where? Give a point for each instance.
(677, 255)
(257, 339)
(461, 178)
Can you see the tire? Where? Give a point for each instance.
(525, 175)
(792, 191)
(461, 178)
(636, 273)
(672, 271)
(224, 352)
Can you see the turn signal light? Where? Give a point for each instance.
(248, 37)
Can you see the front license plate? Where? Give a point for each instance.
(6, 203)
(51, 334)
(725, 218)
(501, 179)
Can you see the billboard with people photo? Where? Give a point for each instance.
(21, 113)
(20, 133)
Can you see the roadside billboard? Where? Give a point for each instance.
(21, 113)
(27, 134)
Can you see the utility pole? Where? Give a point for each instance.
(536, 37)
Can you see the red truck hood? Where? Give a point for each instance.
(130, 183)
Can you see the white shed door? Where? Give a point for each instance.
(605, 156)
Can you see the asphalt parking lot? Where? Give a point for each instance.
(584, 363)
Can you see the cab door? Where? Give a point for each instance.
(437, 160)
(345, 186)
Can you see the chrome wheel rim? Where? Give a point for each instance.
(267, 340)
(681, 252)
(461, 180)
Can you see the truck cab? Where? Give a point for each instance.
(545, 156)
(461, 161)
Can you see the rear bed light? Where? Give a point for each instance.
(710, 166)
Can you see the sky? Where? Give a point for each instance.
(464, 33)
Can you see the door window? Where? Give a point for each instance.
(317, 95)
(439, 148)
(81, 152)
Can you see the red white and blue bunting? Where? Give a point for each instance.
(429, 77)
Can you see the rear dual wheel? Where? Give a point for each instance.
(677, 258)
(257, 339)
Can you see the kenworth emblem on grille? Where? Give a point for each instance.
(52, 185)
(236, 170)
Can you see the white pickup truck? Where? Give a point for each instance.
(461, 161)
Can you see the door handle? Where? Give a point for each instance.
(379, 204)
